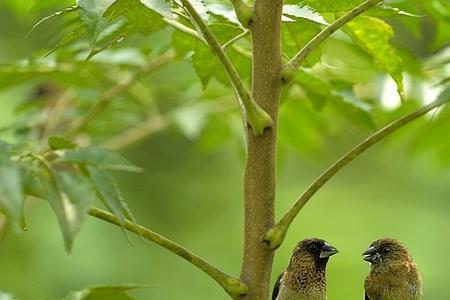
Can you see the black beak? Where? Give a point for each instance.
(371, 255)
(327, 250)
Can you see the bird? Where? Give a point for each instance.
(393, 273)
(304, 278)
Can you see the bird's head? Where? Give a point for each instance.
(313, 249)
(386, 251)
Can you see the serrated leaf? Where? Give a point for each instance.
(304, 12)
(51, 16)
(328, 6)
(69, 196)
(141, 18)
(374, 35)
(57, 143)
(100, 157)
(200, 7)
(162, 7)
(112, 292)
(295, 35)
(224, 11)
(91, 12)
(11, 194)
(108, 192)
(205, 63)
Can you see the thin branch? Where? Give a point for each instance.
(256, 117)
(183, 28)
(236, 38)
(233, 286)
(275, 236)
(118, 89)
(291, 67)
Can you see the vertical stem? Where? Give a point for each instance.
(260, 168)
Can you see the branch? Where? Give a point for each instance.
(291, 67)
(243, 11)
(236, 38)
(256, 117)
(275, 236)
(183, 28)
(233, 286)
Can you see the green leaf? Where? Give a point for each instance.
(374, 35)
(57, 143)
(304, 12)
(108, 192)
(355, 111)
(69, 196)
(328, 6)
(11, 194)
(100, 157)
(162, 7)
(295, 35)
(53, 15)
(112, 292)
(91, 12)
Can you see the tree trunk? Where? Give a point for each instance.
(260, 168)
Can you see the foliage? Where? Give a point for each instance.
(116, 71)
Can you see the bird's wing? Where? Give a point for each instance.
(276, 287)
(366, 297)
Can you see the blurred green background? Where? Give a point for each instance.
(191, 192)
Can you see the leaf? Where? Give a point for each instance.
(11, 194)
(139, 16)
(224, 11)
(162, 7)
(53, 15)
(69, 196)
(91, 12)
(328, 6)
(304, 12)
(295, 35)
(100, 157)
(57, 143)
(108, 192)
(354, 111)
(200, 7)
(374, 35)
(112, 292)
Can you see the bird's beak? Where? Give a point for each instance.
(327, 250)
(371, 255)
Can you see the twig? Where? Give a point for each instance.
(256, 117)
(233, 286)
(234, 39)
(291, 67)
(275, 236)
(183, 28)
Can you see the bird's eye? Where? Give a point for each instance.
(313, 247)
(386, 250)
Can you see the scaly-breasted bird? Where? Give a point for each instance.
(393, 274)
(304, 278)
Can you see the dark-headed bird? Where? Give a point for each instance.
(393, 274)
(304, 278)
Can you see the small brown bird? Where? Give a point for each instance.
(393, 274)
(304, 278)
